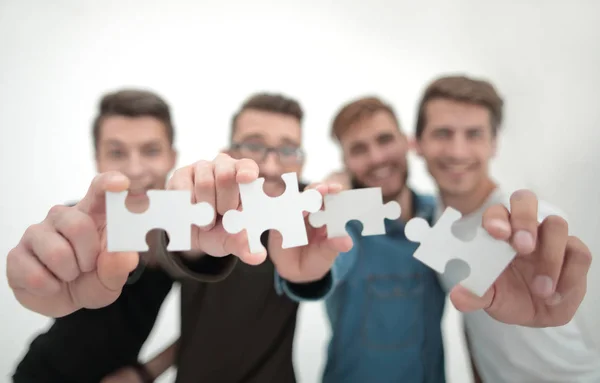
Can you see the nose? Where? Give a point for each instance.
(135, 166)
(376, 156)
(270, 166)
(458, 147)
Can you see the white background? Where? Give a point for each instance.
(205, 57)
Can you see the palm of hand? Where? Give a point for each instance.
(512, 300)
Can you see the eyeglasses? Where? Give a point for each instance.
(287, 155)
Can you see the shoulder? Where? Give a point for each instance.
(424, 205)
(423, 199)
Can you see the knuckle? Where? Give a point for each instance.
(577, 246)
(223, 157)
(57, 210)
(202, 164)
(204, 182)
(57, 254)
(36, 280)
(77, 225)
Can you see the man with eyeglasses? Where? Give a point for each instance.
(241, 329)
(235, 327)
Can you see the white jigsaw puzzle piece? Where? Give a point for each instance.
(486, 256)
(364, 205)
(284, 213)
(171, 210)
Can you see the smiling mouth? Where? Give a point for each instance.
(138, 192)
(382, 173)
(457, 170)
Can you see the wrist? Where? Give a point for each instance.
(192, 254)
(143, 372)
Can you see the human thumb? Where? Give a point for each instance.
(465, 301)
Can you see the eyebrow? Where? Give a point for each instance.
(113, 142)
(256, 136)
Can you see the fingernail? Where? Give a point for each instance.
(524, 241)
(542, 285)
(500, 225)
(118, 177)
(248, 173)
(554, 300)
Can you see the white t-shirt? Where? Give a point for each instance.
(515, 354)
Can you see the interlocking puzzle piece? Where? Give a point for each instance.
(364, 205)
(171, 210)
(486, 256)
(284, 213)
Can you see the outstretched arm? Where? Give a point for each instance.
(88, 344)
(322, 288)
(150, 371)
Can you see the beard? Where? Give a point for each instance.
(394, 195)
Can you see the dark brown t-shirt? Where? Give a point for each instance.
(237, 330)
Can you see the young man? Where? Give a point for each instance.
(386, 307)
(237, 330)
(458, 122)
(133, 134)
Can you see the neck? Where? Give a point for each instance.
(406, 204)
(468, 203)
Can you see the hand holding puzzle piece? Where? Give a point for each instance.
(172, 211)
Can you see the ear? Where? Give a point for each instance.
(174, 157)
(413, 145)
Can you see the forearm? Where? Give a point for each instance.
(161, 362)
(89, 344)
(323, 288)
(190, 265)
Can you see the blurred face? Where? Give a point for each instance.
(273, 141)
(139, 148)
(457, 144)
(375, 154)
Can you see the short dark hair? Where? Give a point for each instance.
(133, 103)
(269, 102)
(357, 110)
(463, 89)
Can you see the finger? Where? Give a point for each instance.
(496, 221)
(53, 251)
(94, 199)
(524, 221)
(226, 190)
(246, 171)
(102, 287)
(553, 234)
(466, 301)
(203, 181)
(340, 244)
(572, 283)
(25, 272)
(334, 187)
(80, 231)
(237, 245)
(182, 179)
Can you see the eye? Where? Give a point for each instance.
(476, 133)
(288, 151)
(253, 147)
(116, 153)
(151, 152)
